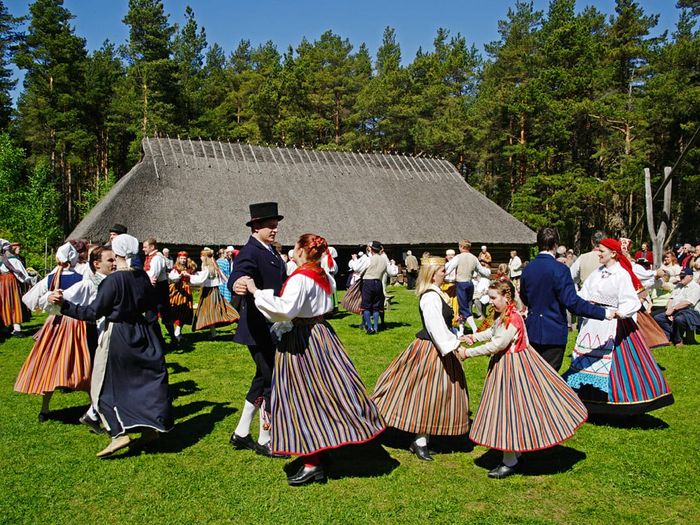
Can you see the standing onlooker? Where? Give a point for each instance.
(547, 289)
(168, 260)
(374, 270)
(411, 269)
(466, 264)
(682, 314)
(515, 269)
(587, 262)
(485, 257)
(225, 264)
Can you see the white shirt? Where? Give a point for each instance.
(515, 267)
(302, 297)
(499, 339)
(612, 287)
(466, 258)
(8, 264)
(37, 297)
(441, 335)
(689, 293)
(158, 268)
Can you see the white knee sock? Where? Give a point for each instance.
(421, 440)
(510, 459)
(471, 323)
(243, 428)
(264, 435)
(212, 331)
(177, 330)
(17, 327)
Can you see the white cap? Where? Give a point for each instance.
(290, 253)
(230, 249)
(334, 252)
(450, 252)
(67, 254)
(360, 253)
(125, 245)
(483, 247)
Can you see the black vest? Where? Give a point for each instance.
(447, 315)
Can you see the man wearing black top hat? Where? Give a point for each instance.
(261, 262)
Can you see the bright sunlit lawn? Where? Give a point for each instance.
(643, 470)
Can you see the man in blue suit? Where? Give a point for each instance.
(547, 289)
(259, 261)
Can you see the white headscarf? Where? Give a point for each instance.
(67, 254)
(4, 245)
(125, 246)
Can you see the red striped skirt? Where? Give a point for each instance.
(424, 392)
(525, 405)
(318, 399)
(10, 300)
(181, 303)
(58, 359)
(214, 310)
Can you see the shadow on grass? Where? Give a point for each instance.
(387, 325)
(642, 421)
(183, 388)
(553, 460)
(189, 341)
(175, 368)
(396, 438)
(368, 460)
(186, 433)
(68, 415)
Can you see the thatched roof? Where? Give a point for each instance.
(197, 192)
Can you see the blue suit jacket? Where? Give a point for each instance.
(547, 289)
(269, 272)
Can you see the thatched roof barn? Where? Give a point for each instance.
(194, 192)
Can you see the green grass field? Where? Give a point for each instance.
(640, 471)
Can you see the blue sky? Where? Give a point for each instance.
(286, 22)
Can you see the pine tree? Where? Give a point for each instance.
(188, 55)
(9, 40)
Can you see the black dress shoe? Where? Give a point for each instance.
(502, 471)
(18, 333)
(420, 452)
(304, 476)
(43, 417)
(92, 424)
(266, 450)
(242, 443)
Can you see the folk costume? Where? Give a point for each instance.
(225, 264)
(525, 405)
(318, 399)
(612, 369)
(130, 379)
(423, 391)
(13, 275)
(60, 357)
(213, 310)
(264, 265)
(181, 294)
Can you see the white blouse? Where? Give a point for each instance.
(37, 297)
(613, 288)
(202, 278)
(302, 298)
(440, 333)
(499, 339)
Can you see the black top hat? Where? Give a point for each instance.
(376, 246)
(119, 229)
(263, 210)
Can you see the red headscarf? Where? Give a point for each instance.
(616, 246)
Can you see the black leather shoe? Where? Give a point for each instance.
(43, 417)
(502, 471)
(242, 443)
(420, 452)
(18, 333)
(305, 476)
(266, 450)
(92, 424)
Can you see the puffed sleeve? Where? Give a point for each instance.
(199, 278)
(174, 276)
(283, 308)
(440, 333)
(33, 297)
(628, 300)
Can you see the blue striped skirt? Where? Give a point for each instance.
(318, 399)
(525, 405)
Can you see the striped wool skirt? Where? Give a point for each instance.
(59, 358)
(181, 303)
(424, 392)
(525, 405)
(10, 300)
(318, 399)
(623, 380)
(213, 310)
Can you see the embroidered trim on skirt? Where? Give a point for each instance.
(213, 310)
(318, 399)
(635, 383)
(10, 300)
(424, 392)
(58, 359)
(525, 405)
(181, 303)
